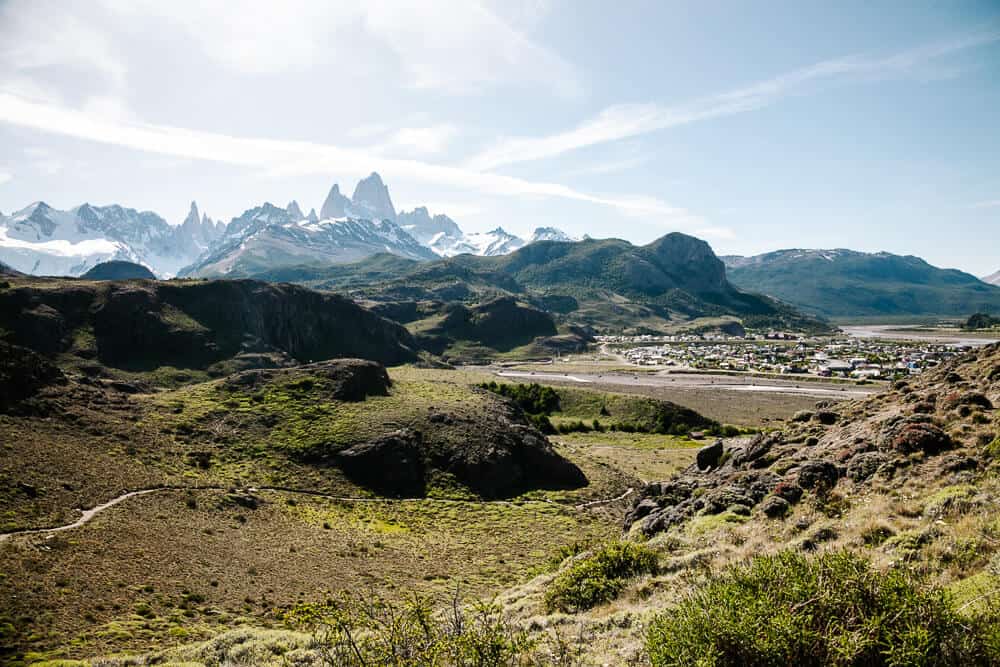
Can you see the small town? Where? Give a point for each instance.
(780, 353)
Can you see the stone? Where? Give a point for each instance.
(775, 507)
(827, 417)
(926, 438)
(864, 465)
(709, 457)
(818, 474)
(391, 464)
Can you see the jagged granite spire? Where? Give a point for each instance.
(294, 210)
(371, 199)
(336, 204)
(193, 219)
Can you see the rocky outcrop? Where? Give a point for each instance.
(490, 449)
(22, 374)
(145, 325)
(905, 431)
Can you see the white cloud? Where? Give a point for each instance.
(39, 34)
(629, 120)
(430, 140)
(448, 45)
(5, 177)
(301, 157)
(995, 203)
(44, 160)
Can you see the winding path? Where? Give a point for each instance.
(88, 514)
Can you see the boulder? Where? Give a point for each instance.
(775, 507)
(818, 474)
(926, 438)
(709, 457)
(864, 465)
(827, 417)
(390, 465)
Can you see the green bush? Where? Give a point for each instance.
(533, 398)
(599, 577)
(831, 610)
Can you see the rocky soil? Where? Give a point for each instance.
(940, 425)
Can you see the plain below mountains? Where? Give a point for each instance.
(848, 284)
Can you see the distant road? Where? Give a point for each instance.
(902, 332)
(699, 381)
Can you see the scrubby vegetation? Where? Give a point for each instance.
(588, 411)
(835, 609)
(360, 631)
(599, 576)
(981, 321)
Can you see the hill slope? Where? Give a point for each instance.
(846, 283)
(118, 270)
(145, 325)
(609, 284)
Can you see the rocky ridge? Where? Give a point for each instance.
(940, 425)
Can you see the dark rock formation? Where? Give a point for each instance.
(708, 457)
(22, 374)
(390, 465)
(145, 325)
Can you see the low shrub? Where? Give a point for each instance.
(599, 577)
(833, 609)
(533, 398)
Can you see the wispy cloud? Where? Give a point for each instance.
(629, 120)
(437, 45)
(423, 141)
(995, 203)
(5, 176)
(301, 157)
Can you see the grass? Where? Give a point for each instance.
(200, 571)
(831, 610)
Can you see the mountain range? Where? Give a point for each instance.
(846, 283)
(608, 285)
(270, 240)
(42, 240)
(993, 278)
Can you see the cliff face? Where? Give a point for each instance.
(142, 325)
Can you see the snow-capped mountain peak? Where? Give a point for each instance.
(550, 234)
(993, 279)
(488, 244)
(423, 227)
(266, 237)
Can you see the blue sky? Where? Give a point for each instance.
(755, 125)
